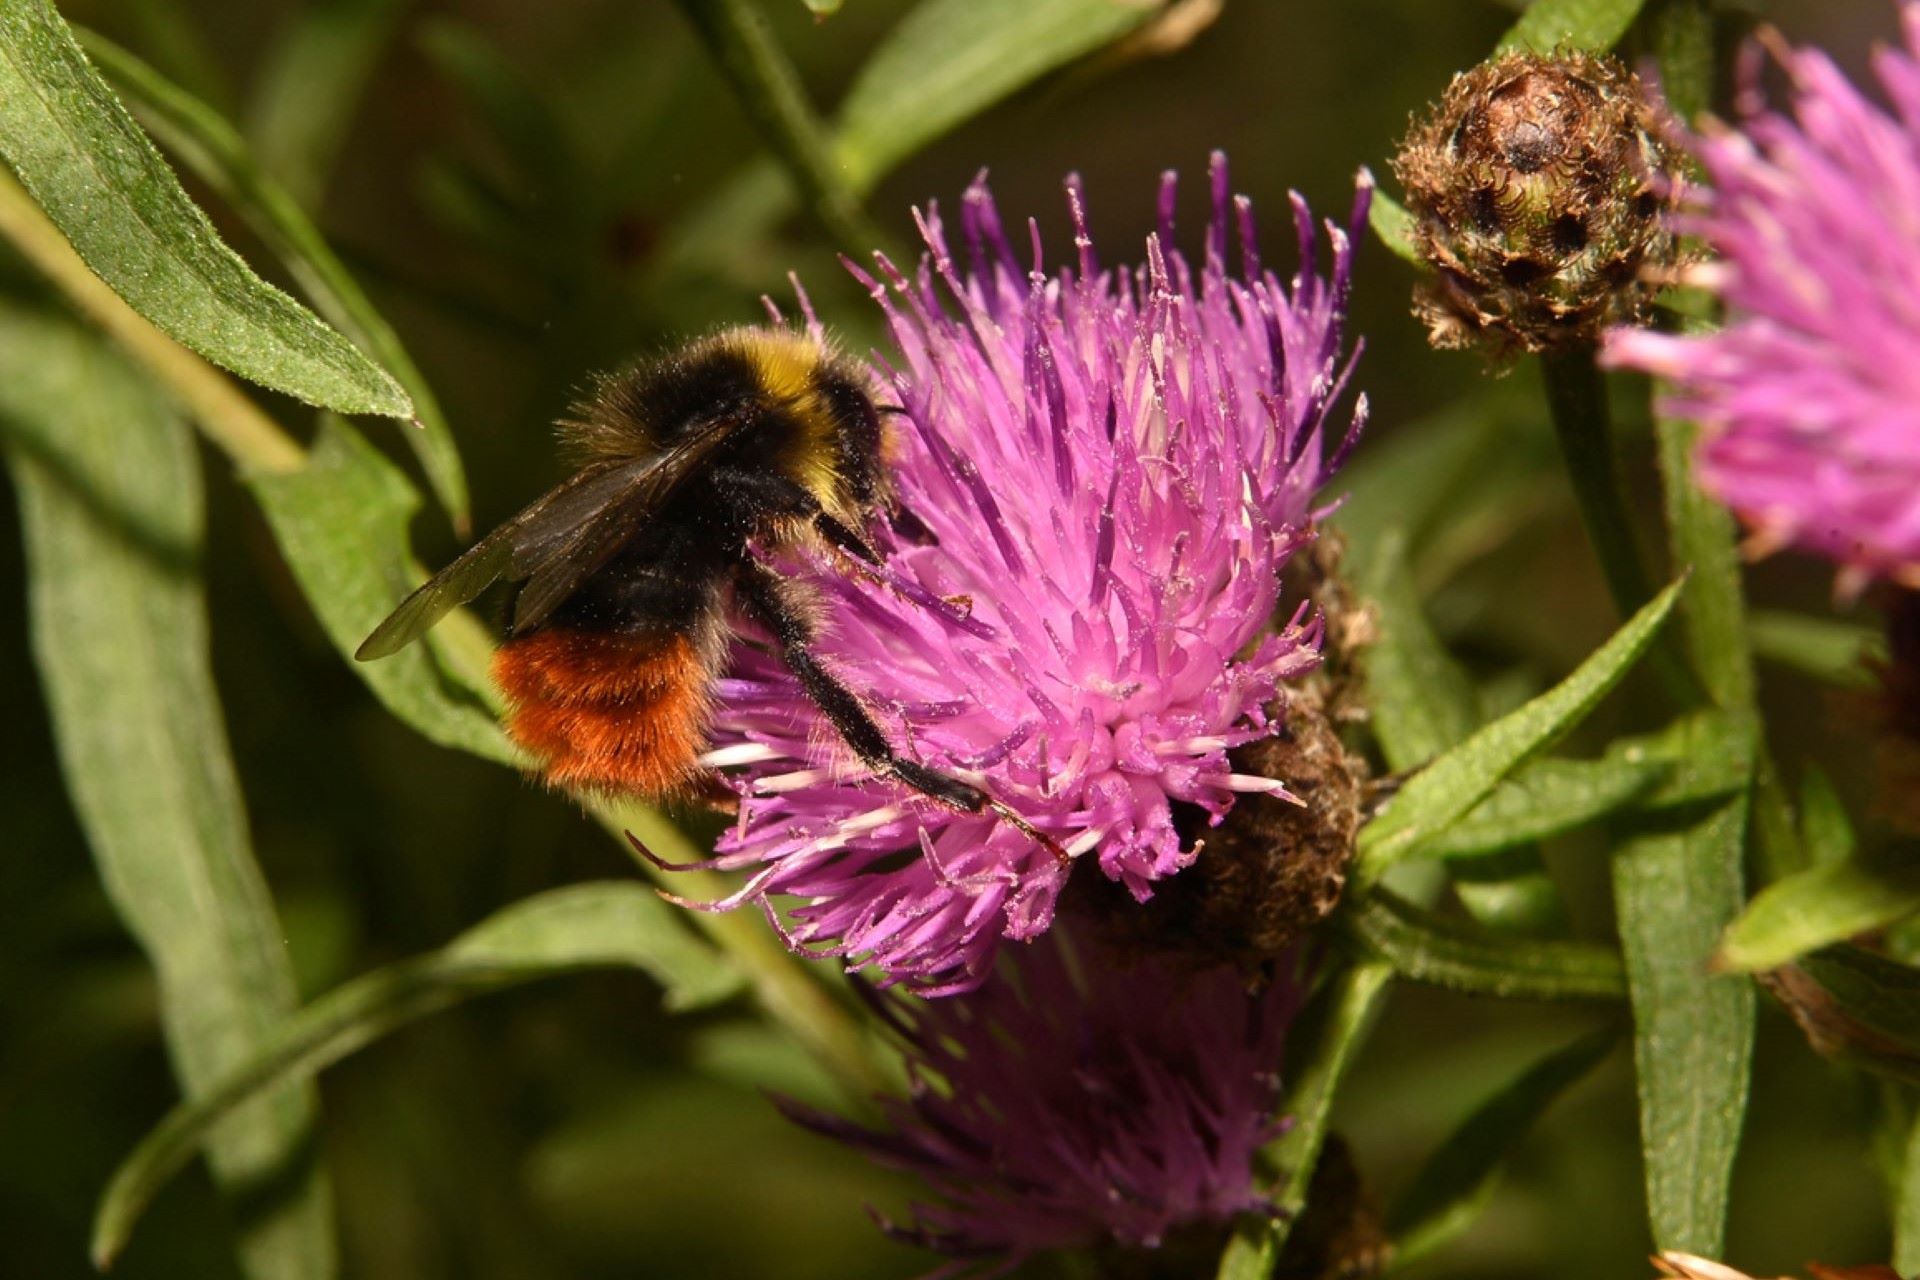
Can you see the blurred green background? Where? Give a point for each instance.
(518, 185)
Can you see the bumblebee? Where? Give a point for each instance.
(628, 574)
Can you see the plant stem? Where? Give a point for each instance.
(1577, 399)
(769, 90)
(253, 441)
(1583, 421)
(225, 414)
(784, 987)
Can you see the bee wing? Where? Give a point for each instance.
(557, 565)
(546, 520)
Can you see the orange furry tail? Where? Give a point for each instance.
(607, 711)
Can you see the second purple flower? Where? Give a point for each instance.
(1102, 473)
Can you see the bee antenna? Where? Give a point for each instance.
(898, 410)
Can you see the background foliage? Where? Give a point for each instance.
(516, 195)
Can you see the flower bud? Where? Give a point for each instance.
(1538, 187)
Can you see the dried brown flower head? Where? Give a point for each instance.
(1538, 187)
(1276, 867)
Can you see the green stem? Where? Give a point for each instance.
(790, 994)
(1583, 421)
(224, 413)
(1577, 399)
(769, 90)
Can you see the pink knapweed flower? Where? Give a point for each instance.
(1078, 1098)
(1104, 470)
(1809, 397)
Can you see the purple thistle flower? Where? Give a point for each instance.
(1111, 466)
(1078, 1097)
(1810, 396)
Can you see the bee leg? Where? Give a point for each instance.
(844, 539)
(764, 597)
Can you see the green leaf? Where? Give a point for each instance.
(1422, 946)
(1456, 1182)
(1592, 25)
(1327, 1038)
(1677, 883)
(309, 86)
(1831, 651)
(1548, 798)
(823, 8)
(1393, 225)
(949, 60)
(341, 522)
(110, 499)
(612, 924)
(81, 155)
(1421, 700)
(1443, 792)
(214, 153)
(1820, 906)
(1708, 755)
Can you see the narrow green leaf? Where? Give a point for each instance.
(341, 522)
(81, 155)
(1422, 701)
(1456, 1182)
(1820, 906)
(1393, 225)
(214, 153)
(949, 60)
(1830, 650)
(1708, 756)
(1548, 798)
(110, 499)
(1592, 25)
(309, 87)
(1440, 794)
(1328, 1036)
(1422, 946)
(1676, 885)
(612, 924)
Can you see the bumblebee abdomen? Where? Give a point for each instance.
(608, 710)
